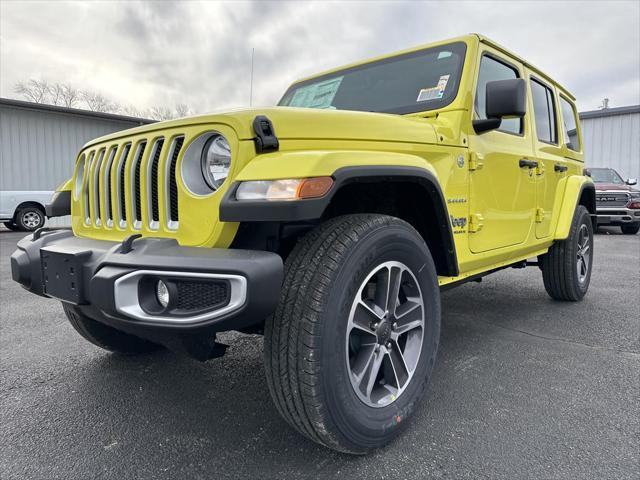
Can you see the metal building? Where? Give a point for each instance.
(39, 143)
(612, 139)
(38, 147)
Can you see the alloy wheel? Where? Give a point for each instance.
(385, 333)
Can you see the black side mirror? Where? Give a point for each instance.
(505, 98)
(587, 172)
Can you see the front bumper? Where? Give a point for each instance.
(105, 280)
(617, 216)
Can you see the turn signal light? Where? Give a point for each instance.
(288, 189)
(634, 205)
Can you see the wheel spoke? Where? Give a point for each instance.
(395, 280)
(367, 379)
(408, 316)
(363, 317)
(399, 366)
(362, 361)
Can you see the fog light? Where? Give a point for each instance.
(162, 293)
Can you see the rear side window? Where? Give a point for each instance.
(570, 124)
(490, 70)
(544, 110)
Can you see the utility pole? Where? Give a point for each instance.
(251, 81)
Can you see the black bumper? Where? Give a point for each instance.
(84, 272)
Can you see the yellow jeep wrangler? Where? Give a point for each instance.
(329, 223)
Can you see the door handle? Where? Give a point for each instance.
(524, 162)
(560, 168)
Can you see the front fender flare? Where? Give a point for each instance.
(412, 169)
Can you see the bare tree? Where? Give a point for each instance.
(55, 94)
(70, 95)
(36, 91)
(161, 113)
(182, 110)
(132, 111)
(98, 102)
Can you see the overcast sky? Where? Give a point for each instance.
(198, 53)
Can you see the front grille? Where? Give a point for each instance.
(612, 199)
(194, 295)
(123, 182)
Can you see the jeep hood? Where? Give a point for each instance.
(305, 123)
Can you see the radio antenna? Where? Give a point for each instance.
(251, 81)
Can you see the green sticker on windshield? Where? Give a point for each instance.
(317, 95)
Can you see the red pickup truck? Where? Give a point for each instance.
(617, 203)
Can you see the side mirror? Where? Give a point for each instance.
(505, 98)
(587, 172)
(631, 181)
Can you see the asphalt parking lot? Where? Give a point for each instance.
(524, 387)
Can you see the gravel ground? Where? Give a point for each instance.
(524, 387)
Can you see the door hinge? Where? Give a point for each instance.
(539, 215)
(475, 222)
(475, 161)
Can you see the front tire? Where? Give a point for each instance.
(566, 267)
(630, 229)
(106, 337)
(334, 325)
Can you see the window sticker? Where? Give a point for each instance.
(318, 95)
(444, 54)
(434, 93)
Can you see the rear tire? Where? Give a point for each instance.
(29, 219)
(316, 345)
(106, 337)
(630, 229)
(566, 267)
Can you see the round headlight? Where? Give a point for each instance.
(216, 161)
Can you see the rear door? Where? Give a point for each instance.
(501, 191)
(548, 151)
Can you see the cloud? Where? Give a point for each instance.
(164, 53)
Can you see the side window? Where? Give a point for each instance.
(570, 125)
(544, 110)
(490, 70)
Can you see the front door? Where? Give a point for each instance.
(502, 180)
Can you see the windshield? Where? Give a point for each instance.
(606, 175)
(413, 82)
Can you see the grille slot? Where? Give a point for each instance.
(96, 189)
(194, 295)
(87, 191)
(106, 184)
(153, 182)
(135, 182)
(172, 183)
(122, 171)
